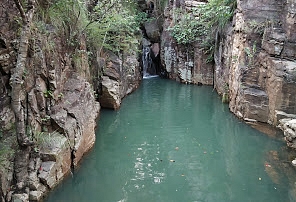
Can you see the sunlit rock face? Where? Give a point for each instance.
(256, 61)
(262, 68)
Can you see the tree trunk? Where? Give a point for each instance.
(18, 96)
(16, 80)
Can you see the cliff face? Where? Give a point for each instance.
(186, 64)
(262, 61)
(254, 61)
(60, 87)
(256, 58)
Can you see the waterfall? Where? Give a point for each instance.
(148, 65)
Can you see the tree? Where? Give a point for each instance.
(16, 80)
(18, 97)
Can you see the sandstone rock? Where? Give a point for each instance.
(273, 41)
(146, 42)
(280, 115)
(193, 4)
(77, 126)
(110, 97)
(155, 49)
(259, 87)
(120, 77)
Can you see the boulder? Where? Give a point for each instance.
(152, 30)
(110, 97)
(289, 128)
(121, 76)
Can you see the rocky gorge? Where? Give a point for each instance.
(62, 92)
(254, 61)
(64, 87)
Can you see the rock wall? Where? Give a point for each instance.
(61, 87)
(121, 75)
(261, 75)
(186, 64)
(254, 58)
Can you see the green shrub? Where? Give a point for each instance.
(202, 23)
(46, 140)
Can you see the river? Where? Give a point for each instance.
(171, 142)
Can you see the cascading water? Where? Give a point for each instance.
(148, 65)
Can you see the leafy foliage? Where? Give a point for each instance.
(111, 24)
(202, 23)
(115, 24)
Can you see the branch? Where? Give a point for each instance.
(21, 9)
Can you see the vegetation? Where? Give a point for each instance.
(6, 151)
(250, 54)
(202, 23)
(46, 140)
(110, 24)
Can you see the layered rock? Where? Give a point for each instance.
(121, 76)
(254, 60)
(257, 55)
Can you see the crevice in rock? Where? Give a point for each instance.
(72, 167)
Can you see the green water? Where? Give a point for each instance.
(178, 143)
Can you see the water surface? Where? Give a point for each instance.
(175, 143)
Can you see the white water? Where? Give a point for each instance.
(148, 66)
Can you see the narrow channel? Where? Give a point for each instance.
(171, 142)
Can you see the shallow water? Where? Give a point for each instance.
(173, 142)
